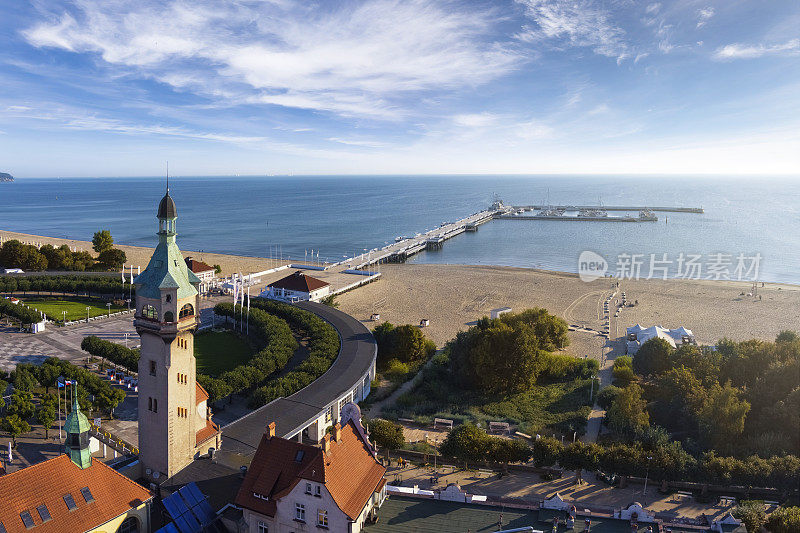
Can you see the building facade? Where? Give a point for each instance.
(297, 287)
(174, 425)
(204, 272)
(294, 487)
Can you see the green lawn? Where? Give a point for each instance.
(217, 352)
(75, 307)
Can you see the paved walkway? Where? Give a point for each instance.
(525, 487)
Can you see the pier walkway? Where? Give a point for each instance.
(430, 240)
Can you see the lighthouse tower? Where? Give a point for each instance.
(174, 426)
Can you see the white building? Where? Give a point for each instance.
(292, 487)
(204, 272)
(637, 335)
(297, 287)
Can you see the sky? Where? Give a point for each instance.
(260, 87)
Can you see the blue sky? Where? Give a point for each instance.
(115, 88)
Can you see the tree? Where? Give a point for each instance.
(549, 329)
(652, 357)
(217, 269)
(14, 426)
(109, 399)
(387, 435)
(578, 456)
(112, 259)
(21, 404)
(751, 512)
(722, 416)
(46, 415)
(23, 378)
(466, 443)
(502, 360)
(784, 520)
(102, 241)
(546, 451)
(508, 451)
(628, 413)
(623, 370)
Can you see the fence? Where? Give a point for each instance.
(108, 438)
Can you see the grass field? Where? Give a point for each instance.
(217, 352)
(75, 307)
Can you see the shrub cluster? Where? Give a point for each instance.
(670, 462)
(116, 353)
(560, 367)
(19, 312)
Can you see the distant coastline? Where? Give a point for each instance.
(5, 177)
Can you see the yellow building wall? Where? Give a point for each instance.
(142, 513)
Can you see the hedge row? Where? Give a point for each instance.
(19, 312)
(116, 353)
(323, 347)
(89, 285)
(278, 346)
(670, 462)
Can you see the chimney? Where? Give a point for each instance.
(326, 443)
(271, 429)
(337, 431)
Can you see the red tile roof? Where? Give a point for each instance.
(210, 430)
(200, 393)
(49, 481)
(198, 266)
(299, 282)
(349, 471)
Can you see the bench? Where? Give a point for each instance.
(444, 422)
(499, 427)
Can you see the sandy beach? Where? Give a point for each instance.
(453, 296)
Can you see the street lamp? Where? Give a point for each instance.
(87, 314)
(64, 315)
(108, 304)
(647, 474)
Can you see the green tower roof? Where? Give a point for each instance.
(166, 269)
(77, 429)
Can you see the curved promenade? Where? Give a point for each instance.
(309, 411)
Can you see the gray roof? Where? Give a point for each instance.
(166, 209)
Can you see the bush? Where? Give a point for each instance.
(560, 367)
(19, 312)
(784, 520)
(607, 396)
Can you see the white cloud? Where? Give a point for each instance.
(351, 60)
(743, 51)
(653, 8)
(475, 120)
(704, 15)
(358, 142)
(577, 23)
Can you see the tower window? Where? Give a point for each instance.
(169, 317)
(150, 312)
(186, 311)
(152, 368)
(149, 404)
(168, 298)
(155, 405)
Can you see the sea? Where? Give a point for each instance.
(750, 228)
